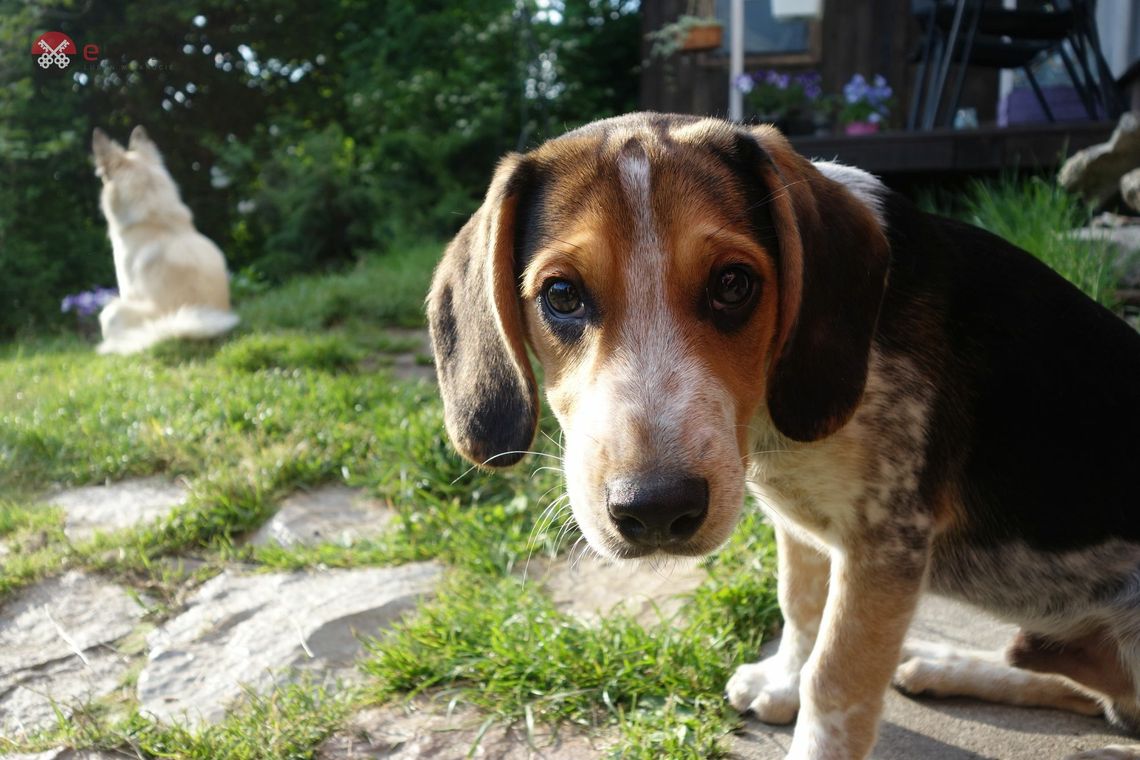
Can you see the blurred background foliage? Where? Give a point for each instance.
(304, 135)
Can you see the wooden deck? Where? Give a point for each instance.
(948, 151)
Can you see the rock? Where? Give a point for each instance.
(331, 514)
(595, 588)
(1122, 233)
(54, 645)
(422, 731)
(260, 630)
(116, 506)
(1130, 189)
(1095, 172)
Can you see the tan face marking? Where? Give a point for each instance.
(649, 384)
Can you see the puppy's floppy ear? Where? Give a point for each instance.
(107, 152)
(140, 142)
(833, 265)
(490, 399)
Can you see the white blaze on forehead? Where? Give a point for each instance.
(649, 331)
(654, 375)
(633, 167)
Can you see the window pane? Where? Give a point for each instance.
(762, 33)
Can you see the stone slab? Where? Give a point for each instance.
(258, 630)
(427, 732)
(593, 588)
(331, 514)
(55, 648)
(116, 506)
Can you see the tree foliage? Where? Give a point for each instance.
(302, 134)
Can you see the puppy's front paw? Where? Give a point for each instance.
(770, 690)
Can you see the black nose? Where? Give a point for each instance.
(657, 509)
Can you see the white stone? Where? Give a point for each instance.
(1095, 172)
(594, 588)
(256, 631)
(55, 645)
(333, 514)
(116, 506)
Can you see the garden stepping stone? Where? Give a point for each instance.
(423, 731)
(256, 631)
(592, 588)
(116, 506)
(332, 514)
(55, 644)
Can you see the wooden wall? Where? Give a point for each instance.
(864, 36)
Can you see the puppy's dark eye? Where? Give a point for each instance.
(731, 288)
(563, 300)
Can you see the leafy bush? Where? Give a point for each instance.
(300, 140)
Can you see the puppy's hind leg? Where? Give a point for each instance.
(938, 670)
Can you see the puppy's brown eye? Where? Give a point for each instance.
(731, 288)
(563, 300)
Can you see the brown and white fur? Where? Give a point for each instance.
(172, 279)
(916, 404)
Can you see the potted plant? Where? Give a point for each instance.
(794, 103)
(695, 31)
(865, 104)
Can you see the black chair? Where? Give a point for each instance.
(970, 33)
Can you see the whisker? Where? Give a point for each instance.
(467, 472)
(557, 443)
(782, 190)
(565, 242)
(549, 515)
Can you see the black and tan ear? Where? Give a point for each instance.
(834, 259)
(490, 399)
(108, 153)
(141, 143)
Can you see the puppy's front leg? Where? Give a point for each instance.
(770, 689)
(875, 587)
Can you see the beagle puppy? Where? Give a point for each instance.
(916, 404)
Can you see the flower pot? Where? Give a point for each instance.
(701, 38)
(861, 128)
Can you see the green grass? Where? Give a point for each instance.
(299, 396)
(502, 646)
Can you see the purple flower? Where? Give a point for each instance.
(811, 84)
(744, 83)
(88, 302)
(855, 90)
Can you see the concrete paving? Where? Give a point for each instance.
(954, 729)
